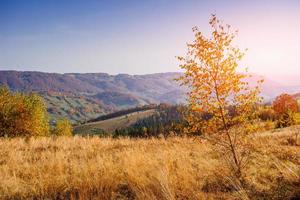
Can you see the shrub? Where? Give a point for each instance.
(285, 103)
(285, 120)
(22, 114)
(266, 114)
(285, 107)
(63, 127)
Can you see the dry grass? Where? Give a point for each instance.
(177, 168)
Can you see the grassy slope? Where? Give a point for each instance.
(110, 125)
(75, 108)
(177, 168)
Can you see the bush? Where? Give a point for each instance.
(22, 114)
(285, 107)
(63, 127)
(266, 114)
(285, 120)
(285, 103)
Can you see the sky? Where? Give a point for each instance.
(142, 36)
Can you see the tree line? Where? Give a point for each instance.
(168, 120)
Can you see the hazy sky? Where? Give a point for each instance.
(141, 36)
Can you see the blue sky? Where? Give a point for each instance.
(139, 37)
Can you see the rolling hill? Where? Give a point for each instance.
(111, 124)
(77, 108)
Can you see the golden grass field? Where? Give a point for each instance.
(174, 168)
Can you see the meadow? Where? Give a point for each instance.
(174, 168)
(110, 125)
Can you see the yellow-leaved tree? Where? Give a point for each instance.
(221, 102)
(63, 128)
(22, 114)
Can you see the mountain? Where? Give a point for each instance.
(150, 87)
(87, 95)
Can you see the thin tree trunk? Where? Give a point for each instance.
(225, 125)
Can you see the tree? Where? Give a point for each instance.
(22, 114)
(210, 72)
(285, 107)
(285, 103)
(63, 127)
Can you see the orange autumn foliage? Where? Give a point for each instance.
(285, 103)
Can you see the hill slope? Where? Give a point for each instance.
(110, 125)
(77, 108)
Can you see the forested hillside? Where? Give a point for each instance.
(160, 87)
(152, 87)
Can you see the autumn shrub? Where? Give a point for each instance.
(63, 127)
(22, 114)
(285, 120)
(268, 125)
(285, 107)
(284, 103)
(266, 114)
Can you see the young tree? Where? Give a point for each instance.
(63, 127)
(210, 72)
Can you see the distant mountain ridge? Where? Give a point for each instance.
(150, 87)
(113, 92)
